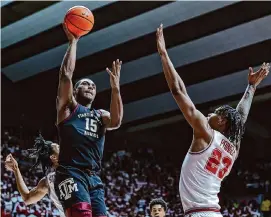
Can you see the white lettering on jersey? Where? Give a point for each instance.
(66, 187)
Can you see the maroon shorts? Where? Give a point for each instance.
(82, 209)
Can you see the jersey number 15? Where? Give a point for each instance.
(91, 125)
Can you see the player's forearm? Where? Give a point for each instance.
(174, 81)
(116, 108)
(22, 188)
(68, 63)
(244, 105)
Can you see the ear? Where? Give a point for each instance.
(75, 91)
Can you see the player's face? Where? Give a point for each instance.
(212, 119)
(158, 211)
(216, 121)
(87, 90)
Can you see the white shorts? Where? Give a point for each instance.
(204, 214)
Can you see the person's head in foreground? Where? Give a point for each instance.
(158, 207)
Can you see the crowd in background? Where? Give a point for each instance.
(131, 181)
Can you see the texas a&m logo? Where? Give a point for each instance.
(66, 188)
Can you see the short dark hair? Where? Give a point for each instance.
(41, 152)
(80, 81)
(158, 201)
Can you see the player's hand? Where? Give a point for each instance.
(255, 78)
(115, 74)
(161, 46)
(11, 164)
(71, 37)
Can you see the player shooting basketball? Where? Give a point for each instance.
(82, 131)
(216, 139)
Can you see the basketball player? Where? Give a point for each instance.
(82, 133)
(216, 139)
(158, 207)
(46, 154)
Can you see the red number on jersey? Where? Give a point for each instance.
(227, 163)
(214, 162)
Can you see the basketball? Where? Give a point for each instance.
(79, 20)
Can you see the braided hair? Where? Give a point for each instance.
(235, 126)
(41, 152)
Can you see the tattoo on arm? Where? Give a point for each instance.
(244, 105)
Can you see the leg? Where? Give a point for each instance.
(97, 202)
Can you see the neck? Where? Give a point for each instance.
(222, 129)
(88, 105)
(55, 165)
(84, 102)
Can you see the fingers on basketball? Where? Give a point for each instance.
(65, 27)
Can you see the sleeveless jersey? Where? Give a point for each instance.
(82, 137)
(202, 174)
(50, 178)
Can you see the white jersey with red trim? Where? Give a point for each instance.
(203, 172)
(52, 194)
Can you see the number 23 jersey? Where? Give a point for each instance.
(82, 137)
(202, 173)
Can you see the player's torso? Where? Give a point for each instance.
(52, 194)
(82, 138)
(202, 173)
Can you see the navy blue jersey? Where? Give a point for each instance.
(82, 137)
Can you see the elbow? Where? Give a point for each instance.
(116, 124)
(27, 200)
(27, 203)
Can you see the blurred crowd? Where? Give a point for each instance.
(131, 181)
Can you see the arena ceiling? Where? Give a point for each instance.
(210, 43)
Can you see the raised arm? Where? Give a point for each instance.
(113, 119)
(35, 194)
(254, 79)
(65, 97)
(176, 85)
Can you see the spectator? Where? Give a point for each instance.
(266, 207)
(158, 207)
(131, 180)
